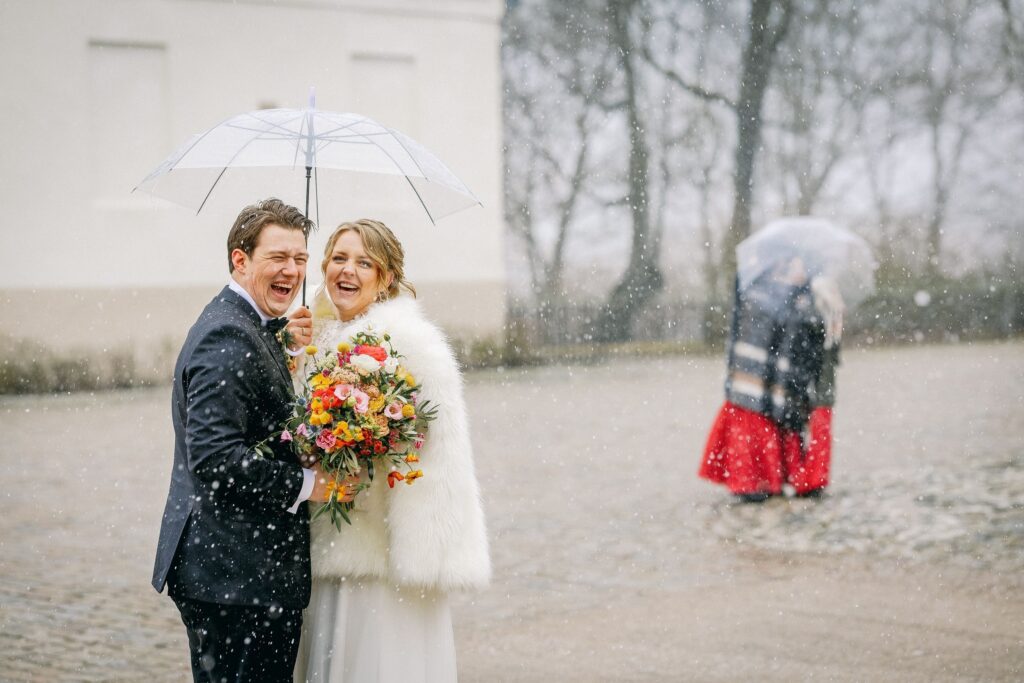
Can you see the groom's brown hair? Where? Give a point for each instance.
(245, 233)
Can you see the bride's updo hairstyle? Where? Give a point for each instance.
(384, 250)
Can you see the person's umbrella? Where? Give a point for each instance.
(817, 247)
(289, 150)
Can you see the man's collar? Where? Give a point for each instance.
(240, 291)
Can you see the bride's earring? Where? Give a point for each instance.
(381, 295)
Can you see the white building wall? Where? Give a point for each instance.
(95, 93)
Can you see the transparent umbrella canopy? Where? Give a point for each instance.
(822, 248)
(278, 148)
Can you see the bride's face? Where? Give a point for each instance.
(351, 278)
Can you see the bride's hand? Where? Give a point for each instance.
(300, 326)
(324, 484)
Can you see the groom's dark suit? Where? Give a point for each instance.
(229, 549)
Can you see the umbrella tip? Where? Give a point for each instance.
(312, 97)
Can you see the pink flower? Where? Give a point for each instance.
(326, 439)
(343, 391)
(394, 411)
(286, 436)
(418, 444)
(362, 400)
(302, 430)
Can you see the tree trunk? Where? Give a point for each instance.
(642, 279)
(758, 56)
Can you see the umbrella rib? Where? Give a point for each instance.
(224, 170)
(411, 157)
(210, 191)
(422, 203)
(190, 148)
(298, 139)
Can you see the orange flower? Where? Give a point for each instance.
(337, 487)
(412, 457)
(394, 476)
(413, 476)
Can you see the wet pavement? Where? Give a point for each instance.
(612, 560)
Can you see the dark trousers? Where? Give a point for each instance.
(232, 644)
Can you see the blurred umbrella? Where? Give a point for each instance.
(822, 247)
(276, 148)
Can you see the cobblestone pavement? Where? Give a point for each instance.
(612, 560)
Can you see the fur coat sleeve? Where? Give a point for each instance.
(432, 533)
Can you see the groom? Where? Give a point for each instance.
(234, 542)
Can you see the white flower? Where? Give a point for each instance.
(390, 365)
(365, 363)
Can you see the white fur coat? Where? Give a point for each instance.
(431, 533)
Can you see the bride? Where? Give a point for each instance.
(379, 607)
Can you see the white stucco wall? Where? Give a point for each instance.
(95, 93)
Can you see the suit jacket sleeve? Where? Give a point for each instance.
(223, 403)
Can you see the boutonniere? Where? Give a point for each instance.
(285, 339)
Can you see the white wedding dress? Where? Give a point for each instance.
(360, 630)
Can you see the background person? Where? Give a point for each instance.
(775, 357)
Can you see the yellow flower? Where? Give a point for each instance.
(408, 411)
(311, 350)
(344, 348)
(316, 405)
(376, 404)
(410, 380)
(319, 381)
(412, 457)
(410, 477)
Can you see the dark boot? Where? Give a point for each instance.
(758, 497)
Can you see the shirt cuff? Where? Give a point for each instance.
(308, 479)
(296, 352)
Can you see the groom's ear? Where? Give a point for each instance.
(239, 259)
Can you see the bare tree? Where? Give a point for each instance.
(1013, 38)
(766, 27)
(817, 104)
(554, 80)
(642, 278)
(956, 94)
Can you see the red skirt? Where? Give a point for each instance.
(749, 453)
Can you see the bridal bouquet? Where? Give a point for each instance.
(358, 411)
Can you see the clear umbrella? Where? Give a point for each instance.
(306, 141)
(268, 152)
(805, 248)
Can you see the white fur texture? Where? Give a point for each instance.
(431, 533)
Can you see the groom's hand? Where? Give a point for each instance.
(300, 325)
(323, 486)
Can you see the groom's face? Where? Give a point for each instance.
(274, 272)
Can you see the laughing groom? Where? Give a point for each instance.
(234, 541)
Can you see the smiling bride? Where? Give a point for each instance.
(379, 607)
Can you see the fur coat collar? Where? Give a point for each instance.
(430, 534)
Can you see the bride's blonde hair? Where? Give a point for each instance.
(384, 250)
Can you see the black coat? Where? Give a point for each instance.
(227, 536)
(775, 351)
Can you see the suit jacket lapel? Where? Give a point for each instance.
(270, 342)
(276, 350)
